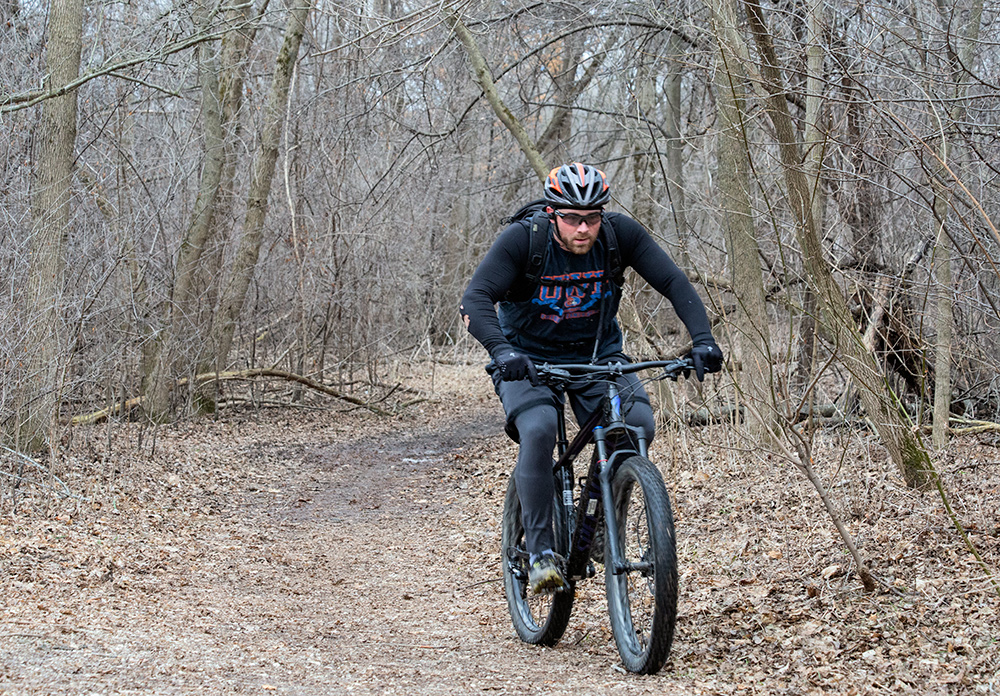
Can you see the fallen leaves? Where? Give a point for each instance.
(327, 550)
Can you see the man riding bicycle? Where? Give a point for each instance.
(566, 314)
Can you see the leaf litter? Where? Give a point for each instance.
(313, 551)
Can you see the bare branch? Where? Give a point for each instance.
(25, 100)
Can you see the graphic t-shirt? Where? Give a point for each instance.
(560, 319)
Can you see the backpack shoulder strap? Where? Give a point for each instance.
(538, 227)
(614, 257)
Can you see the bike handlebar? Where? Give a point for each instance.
(548, 374)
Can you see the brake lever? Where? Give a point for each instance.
(553, 376)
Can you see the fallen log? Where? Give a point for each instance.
(207, 377)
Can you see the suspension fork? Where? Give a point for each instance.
(596, 491)
(608, 467)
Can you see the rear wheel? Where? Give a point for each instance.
(539, 619)
(642, 595)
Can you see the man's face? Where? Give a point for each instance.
(576, 230)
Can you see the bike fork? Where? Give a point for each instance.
(608, 466)
(613, 548)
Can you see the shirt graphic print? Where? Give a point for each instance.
(570, 296)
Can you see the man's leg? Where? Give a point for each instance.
(532, 421)
(640, 414)
(536, 427)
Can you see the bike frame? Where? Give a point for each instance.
(596, 494)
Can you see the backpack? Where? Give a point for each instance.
(538, 244)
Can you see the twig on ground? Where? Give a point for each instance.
(939, 484)
(65, 492)
(798, 452)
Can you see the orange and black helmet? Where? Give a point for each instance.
(577, 185)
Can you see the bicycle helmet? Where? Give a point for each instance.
(577, 185)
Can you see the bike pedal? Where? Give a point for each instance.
(565, 587)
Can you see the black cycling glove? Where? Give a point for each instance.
(707, 357)
(514, 366)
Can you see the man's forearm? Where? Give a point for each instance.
(481, 320)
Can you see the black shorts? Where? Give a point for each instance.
(517, 397)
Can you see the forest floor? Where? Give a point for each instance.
(334, 551)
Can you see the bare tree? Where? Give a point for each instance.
(482, 76)
(51, 214)
(262, 173)
(879, 401)
(949, 142)
(751, 339)
(182, 306)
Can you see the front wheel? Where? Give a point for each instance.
(642, 590)
(539, 619)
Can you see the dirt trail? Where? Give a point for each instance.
(313, 563)
(319, 552)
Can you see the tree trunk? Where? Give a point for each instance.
(879, 402)
(675, 147)
(178, 325)
(261, 176)
(640, 145)
(50, 215)
(751, 339)
(815, 142)
(233, 69)
(944, 320)
(950, 141)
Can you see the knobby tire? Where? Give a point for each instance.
(642, 602)
(538, 619)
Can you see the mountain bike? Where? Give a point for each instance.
(621, 505)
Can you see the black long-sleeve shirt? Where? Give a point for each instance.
(558, 319)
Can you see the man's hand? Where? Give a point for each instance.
(707, 357)
(515, 366)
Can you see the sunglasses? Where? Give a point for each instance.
(574, 220)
